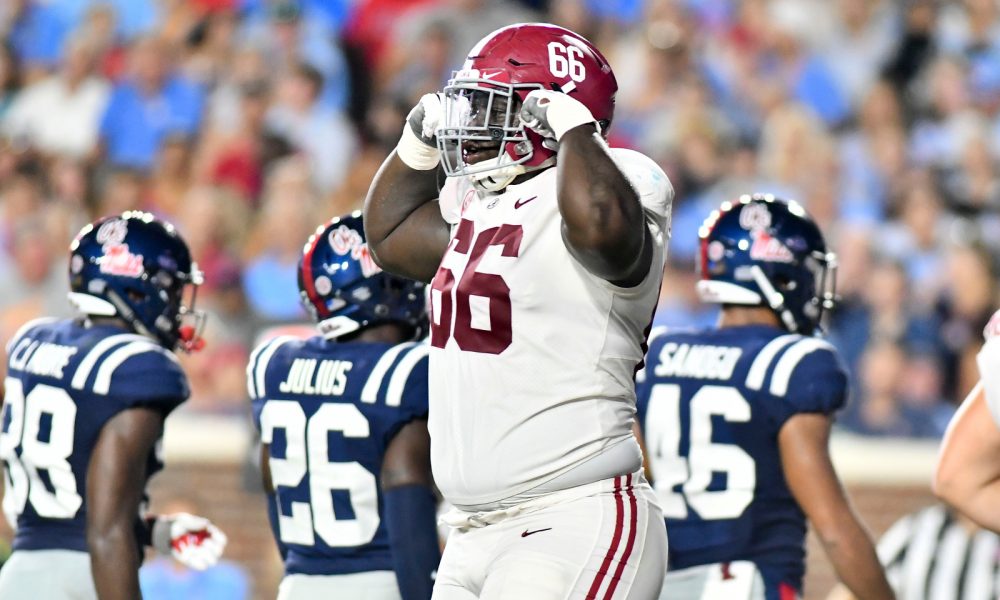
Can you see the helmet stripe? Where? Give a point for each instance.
(307, 277)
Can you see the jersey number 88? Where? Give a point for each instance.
(22, 418)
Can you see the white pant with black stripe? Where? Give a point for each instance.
(603, 540)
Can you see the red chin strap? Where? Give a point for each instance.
(189, 342)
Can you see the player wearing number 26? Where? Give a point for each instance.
(545, 252)
(342, 415)
(83, 410)
(737, 418)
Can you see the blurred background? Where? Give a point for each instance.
(249, 122)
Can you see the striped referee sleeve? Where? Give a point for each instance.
(930, 555)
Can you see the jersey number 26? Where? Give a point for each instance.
(307, 450)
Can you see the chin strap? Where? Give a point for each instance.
(774, 298)
(499, 178)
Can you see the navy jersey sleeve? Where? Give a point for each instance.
(407, 388)
(25, 330)
(142, 373)
(260, 358)
(809, 377)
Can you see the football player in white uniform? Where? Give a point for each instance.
(968, 469)
(545, 252)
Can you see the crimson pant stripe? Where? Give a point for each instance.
(615, 541)
(628, 545)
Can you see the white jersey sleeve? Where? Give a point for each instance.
(655, 191)
(455, 196)
(988, 360)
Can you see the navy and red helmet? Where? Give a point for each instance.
(138, 268)
(345, 291)
(762, 250)
(483, 99)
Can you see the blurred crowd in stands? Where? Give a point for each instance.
(249, 122)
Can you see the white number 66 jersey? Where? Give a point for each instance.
(532, 356)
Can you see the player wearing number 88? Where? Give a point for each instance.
(84, 405)
(342, 417)
(736, 418)
(545, 249)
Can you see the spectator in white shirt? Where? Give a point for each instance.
(60, 114)
(325, 137)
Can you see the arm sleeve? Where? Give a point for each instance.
(810, 377)
(410, 514)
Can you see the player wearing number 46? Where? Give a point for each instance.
(546, 252)
(84, 405)
(736, 418)
(345, 451)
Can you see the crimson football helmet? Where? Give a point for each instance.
(481, 134)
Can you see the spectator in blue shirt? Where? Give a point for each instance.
(149, 105)
(293, 33)
(164, 579)
(36, 33)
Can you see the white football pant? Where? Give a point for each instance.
(369, 585)
(603, 540)
(738, 580)
(48, 574)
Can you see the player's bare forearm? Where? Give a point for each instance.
(403, 226)
(804, 441)
(603, 220)
(115, 480)
(853, 555)
(408, 457)
(114, 562)
(967, 475)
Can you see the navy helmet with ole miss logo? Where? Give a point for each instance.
(137, 268)
(345, 291)
(762, 250)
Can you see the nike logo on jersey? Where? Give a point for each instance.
(526, 533)
(521, 203)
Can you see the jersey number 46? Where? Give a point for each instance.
(693, 473)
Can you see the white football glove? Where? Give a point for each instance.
(551, 114)
(418, 146)
(193, 541)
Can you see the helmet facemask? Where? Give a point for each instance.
(180, 325)
(778, 289)
(823, 265)
(482, 133)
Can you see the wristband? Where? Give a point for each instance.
(564, 115)
(415, 153)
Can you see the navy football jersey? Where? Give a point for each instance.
(711, 404)
(328, 411)
(64, 382)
